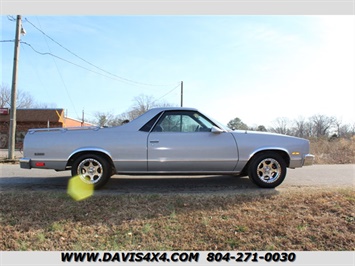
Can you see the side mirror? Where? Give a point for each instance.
(216, 130)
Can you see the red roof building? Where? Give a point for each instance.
(34, 118)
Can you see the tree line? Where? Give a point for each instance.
(315, 126)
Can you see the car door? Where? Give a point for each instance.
(182, 141)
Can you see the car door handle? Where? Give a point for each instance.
(154, 141)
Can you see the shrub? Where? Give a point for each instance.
(334, 150)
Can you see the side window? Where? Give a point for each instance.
(171, 123)
(178, 123)
(150, 124)
(183, 122)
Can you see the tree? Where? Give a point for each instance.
(102, 119)
(141, 104)
(281, 126)
(237, 123)
(302, 128)
(322, 124)
(23, 100)
(343, 130)
(107, 119)
(5, 96)
(261, 128)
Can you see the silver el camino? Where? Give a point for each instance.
(165, 141)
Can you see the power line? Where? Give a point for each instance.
(67, 61)
(61, 77)
(77, 65)
(105, 73)
(91, 64)
(168, 92)
(11, 18)
(60, 58)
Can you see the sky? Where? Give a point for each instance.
(257, 68)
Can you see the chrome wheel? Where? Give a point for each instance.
(90, 170)
(269, 170)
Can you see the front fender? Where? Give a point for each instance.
(276, 149)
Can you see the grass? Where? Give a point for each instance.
(297, 219)
(292, 219)
(334, 151)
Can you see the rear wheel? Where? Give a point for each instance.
(92, 169)
(267, 170)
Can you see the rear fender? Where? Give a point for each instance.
(89, 150)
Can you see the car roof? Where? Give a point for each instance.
(137, 123)
(159, 109)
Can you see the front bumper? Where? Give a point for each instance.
(308, 159)
(25, 163)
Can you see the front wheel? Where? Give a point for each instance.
(92, 169)
(267, 170)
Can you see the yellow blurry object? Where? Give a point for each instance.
(79, 190)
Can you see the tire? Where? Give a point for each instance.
(92, 169)
(267, 170)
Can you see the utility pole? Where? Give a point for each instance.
(82, 118)
(12, 130)
(182, 94)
